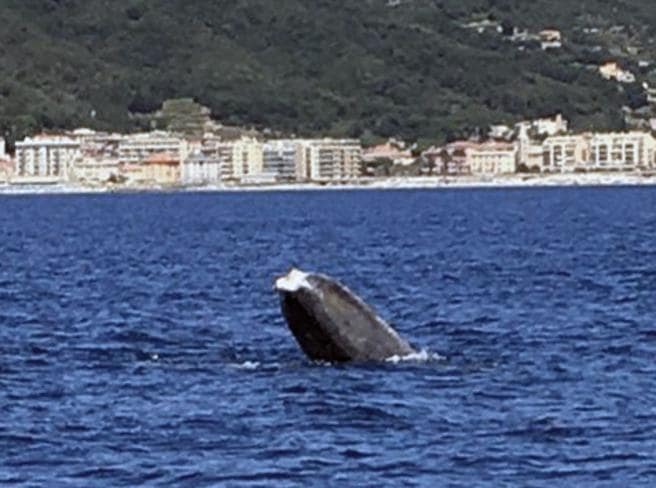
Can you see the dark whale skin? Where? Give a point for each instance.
(330, 323)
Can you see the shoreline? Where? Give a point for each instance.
(400, 183)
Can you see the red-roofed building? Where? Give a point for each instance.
(385, 151)
(162, 169)
(450, 159)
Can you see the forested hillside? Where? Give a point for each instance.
(360, 68)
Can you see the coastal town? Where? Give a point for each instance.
(181, 146)
(196, 151)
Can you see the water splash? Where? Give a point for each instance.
(422, 356)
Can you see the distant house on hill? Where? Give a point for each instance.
(551, 39)
(611, 70)
(500, 132)
(483, 25)
(542, 127)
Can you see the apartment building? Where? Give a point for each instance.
(565, 153)
(102, 145)
(615, 151)
(136, 148)
(98, 161)
(622, 151)
(46, 157)
(282, 159)
(491, 158)
(201, 168)
(530, 155)
(96, 170)
(203, 165)
(330, 160)
(241, 159)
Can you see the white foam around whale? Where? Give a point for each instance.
(422, 356)
(293, 281)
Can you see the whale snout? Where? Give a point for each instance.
(293, 281)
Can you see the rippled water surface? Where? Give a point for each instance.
(141, 342)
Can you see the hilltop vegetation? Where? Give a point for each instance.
(368, 68)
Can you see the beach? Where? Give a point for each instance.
(426, 182)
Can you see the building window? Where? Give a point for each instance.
(603, 154)
(629, 155)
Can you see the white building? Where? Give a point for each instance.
(565, 153)
(622, 151)
(96, 170)
(99, 161)
(241, 159)
(530, 154)
(136, 148)
(500, 132)
(492, 158)
(546, 126)
(613, 71)
(551, 39)
(201, 168)
(392, 150)
(615, 151)
(330, 159)
(46, 157)
(3, 151)
(651, 93)
(282, 158)
(98, 144)
(205, 162)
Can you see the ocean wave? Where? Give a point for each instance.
(247, 365)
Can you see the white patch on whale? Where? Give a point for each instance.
(293, 281)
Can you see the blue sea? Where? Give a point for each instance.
(141, 343)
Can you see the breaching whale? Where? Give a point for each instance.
(331, 323)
